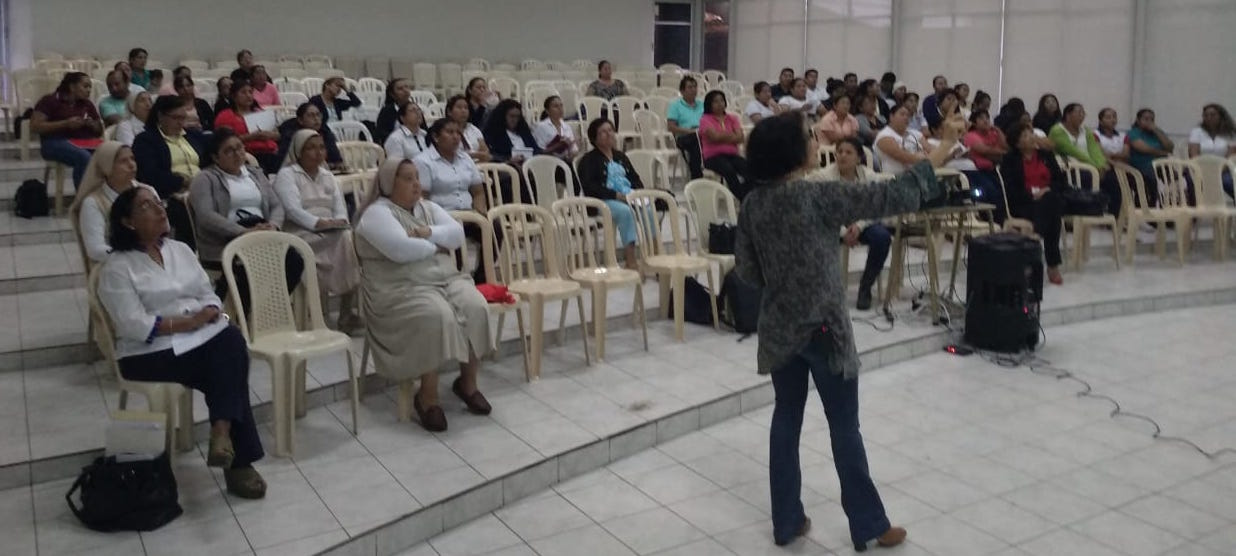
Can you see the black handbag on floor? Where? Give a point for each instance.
(126, 496)
(1081, 202)
(31, 199)
(696, 302)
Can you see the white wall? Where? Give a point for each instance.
(430, 30)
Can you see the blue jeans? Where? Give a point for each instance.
(624, 221)
(878, 240)
(61, 150)
(859, 497)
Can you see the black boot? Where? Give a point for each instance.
(864, 298)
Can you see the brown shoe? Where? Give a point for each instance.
(432, 418)
(245, 483)
(221, 451)
(476, 402)
(892, 537)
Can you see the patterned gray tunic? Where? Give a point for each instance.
(787, 245)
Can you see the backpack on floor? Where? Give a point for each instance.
(696, 302)
(31, 199)
(742, 304)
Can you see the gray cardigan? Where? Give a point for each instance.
(787, 245)
(209, 197)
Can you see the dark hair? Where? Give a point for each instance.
(853, 142)
(218, 138)
(783, 70)
(69, 80)
(240, 74)
(948, 93)
(137, 52)
(1226, 127)
(436, 129)
(163, 106)
(847, 98)
(866, 84)
(682, 83)
(121, 237)
(450, 103)
(888, 77)
(182, 79)
(937, 78)
(975, 115)
(708, 98)
(335, 79)
(1016, 129)
(304, 107)
(980, 96)
(901, 106)
(468, 89)
(219, 84)
(156, 74)
(860, 99)
(848, 75)
(760, 85)
(957, 87)
(796, 81)
(912, 94)
(601, 64)
(777, 146)
(116, 66)
(390, 91)
(1042, 116)
(237, 85)
(181, 70)
(497, 119)
(545, 106)
(831, 86)
(114, 72)
(1070, 107)
(1143, 111)
(242, 53)
(256, 67)
(594, 128)
(811, 71)
(1015, 103)
(1105, 110)
(403, 108)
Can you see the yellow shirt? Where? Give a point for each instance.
(184, 158)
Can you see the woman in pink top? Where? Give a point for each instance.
(264, 92)
(720, 135)
(837, 124)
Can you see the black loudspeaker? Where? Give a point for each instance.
(1004, 286)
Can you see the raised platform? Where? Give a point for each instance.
(395, 485)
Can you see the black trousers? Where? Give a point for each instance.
(1046, 213)
(689, 144)
(473, 232)
(219, 369)
(733, 170)
(178, 218)
(270, 162)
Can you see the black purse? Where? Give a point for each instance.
(248, 219)
(126, 496)
(721, 238)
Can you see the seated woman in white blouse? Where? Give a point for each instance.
(422, 313)
(1215, 135)
(409, 139)
(552, 134)
(316, 213)
(111, 172)
(450, 179)
(473, 139)
(154, 290)
(139, 111)
(763, 104)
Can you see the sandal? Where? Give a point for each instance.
(245, 483)
(221, 452)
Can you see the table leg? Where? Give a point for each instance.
(933, 271)
(952, 278)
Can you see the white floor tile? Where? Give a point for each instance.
(481, 536)
(652, 530)
(541, 516)
(1127, 534)
(569, 543)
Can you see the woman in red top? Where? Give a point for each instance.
(1033, 181)
(987, 147)
(720, 135)
(262, 144)
(67, 114)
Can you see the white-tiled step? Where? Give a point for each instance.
(34, 231)
(19, 170)
(8, 190)
(40, 267)
(9, 150)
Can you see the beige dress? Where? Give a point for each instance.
(332, 249)
(423, 315)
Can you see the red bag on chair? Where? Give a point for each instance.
(495, 293)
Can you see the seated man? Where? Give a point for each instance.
(112, 107)
(874, 235)
(683, 119)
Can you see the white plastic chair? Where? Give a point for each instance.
(360, 156)
(289, 85)
(293, 98)
(1139, 213)
(1212, 200)
(422, 97)
(491, 176)
(450, 76)
(541, 172)
(273, 330)
(591, 108)
(370, 85)
(312, 85)
(651, 168)
(350, 131)
(710, 202)
(1082, 224)
(505, 87)
(425, 76)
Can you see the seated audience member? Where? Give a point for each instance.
(605, 85)
(814, 93)
(833, 90)
(1146, 143)
(308, 117)
(763, 105)
(264, 92)
(240, 74)
(683, 119)
(421, 312)
(200, 117)
(263, 144)
(720, 136)
(480, 101)
(66, 115)
(153, 289)
(797, 99)
(156, 80)
(169, 88)
(1009, 114)
(848, 169)
(139, 111)
(869, 120)
(124, 68)
(899, 95)
(888, 83)
(244, 60)
(918, 123)
(508, 136)
(1111, 140)
(452, 181)
(409, 139)
(1048, 114)
(987, 147)
(607, 174)
(947, 104)
(837, 124)
(1074, 140)
(398, 92)
(939, 84)
(1033, 181)
(982, 101)
(868, 88)
(315, 212)
(334, 100)
(552, 134)
(785, 82)
(230, 199)
(897, 147)
(111, 172)
(167, 157)
(963, 100)
(138, 74)
(471, 137)
(223, 100)
(850, 80)
(1215, 135)
(113, 106)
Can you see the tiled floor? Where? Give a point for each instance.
(971, 457)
